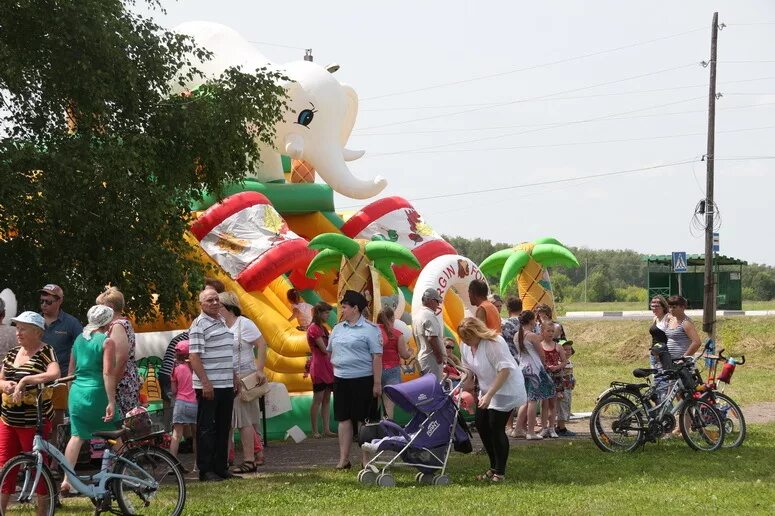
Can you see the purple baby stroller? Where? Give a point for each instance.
(426, 441)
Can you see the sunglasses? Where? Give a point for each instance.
(48, 302)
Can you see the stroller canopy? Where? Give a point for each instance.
(424, 394)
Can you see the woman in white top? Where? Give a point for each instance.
(502, 387)
(249, 357)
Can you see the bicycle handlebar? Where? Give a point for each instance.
(720, 356)
(55, 383)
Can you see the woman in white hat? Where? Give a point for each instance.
(92, 401)
(32, 362)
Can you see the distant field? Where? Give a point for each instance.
(616, 306)
(608, 350)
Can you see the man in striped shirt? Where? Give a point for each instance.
(211, 350)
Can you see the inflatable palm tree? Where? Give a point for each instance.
(358, 262)
(527, 262)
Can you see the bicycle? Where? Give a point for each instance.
(138, 474)
(734, 421)
(628, 415)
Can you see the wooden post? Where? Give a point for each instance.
(709, 302)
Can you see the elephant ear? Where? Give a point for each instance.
(351, 111)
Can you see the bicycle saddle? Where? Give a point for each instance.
(111, 434)
(643, 373)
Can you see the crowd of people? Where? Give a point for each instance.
(510, 365)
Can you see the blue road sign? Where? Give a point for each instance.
(716, 245)
(679, 261)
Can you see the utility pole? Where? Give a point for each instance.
(709, 308)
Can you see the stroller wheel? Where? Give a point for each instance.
(367, 477)
(441, 480)
(386, 480)
(424, 478)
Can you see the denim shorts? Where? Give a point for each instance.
(391, 376)
(184, 413)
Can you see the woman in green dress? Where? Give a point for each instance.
(92, 399)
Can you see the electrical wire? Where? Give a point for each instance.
(594, 142)
(529, 99)
(555, 126)
(693, 159)
(532, 67)
(266, 43)
(699, 221)
(500, 127)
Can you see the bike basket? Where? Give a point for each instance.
(141, 422)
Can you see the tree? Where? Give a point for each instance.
(599, 287)
(99, 162)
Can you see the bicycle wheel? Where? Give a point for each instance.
(734, 422)
(701, 425)
(17, 478)
(168, 497)
(616, 425)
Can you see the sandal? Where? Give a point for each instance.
(488, 475)
(245, 467)
(66, 492)
(316, 435)
(259, 459)
(495, 478)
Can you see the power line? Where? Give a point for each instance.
(493, 128)
(533, 67)
(550, 182)
(528, 99)
(594, 95)
(266, 43)
(595, 142)
(554, 126)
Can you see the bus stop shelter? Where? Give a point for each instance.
(728, 272)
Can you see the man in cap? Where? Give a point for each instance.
(60, 333)
(427, 331)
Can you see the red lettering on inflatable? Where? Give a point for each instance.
(442, 283)
(449, 271)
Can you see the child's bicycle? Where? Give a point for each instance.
(734, 421)
(628, 415)
(136, 476)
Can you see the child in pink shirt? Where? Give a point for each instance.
(184, 413)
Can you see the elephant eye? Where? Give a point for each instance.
(305, 117)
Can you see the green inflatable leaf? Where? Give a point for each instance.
(345, 245)
(395, 253)
(549, 255)
(493, 264)
(511, 269)
(325, 260)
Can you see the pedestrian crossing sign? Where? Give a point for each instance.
(679, 261)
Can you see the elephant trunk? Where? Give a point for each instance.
(332, 169)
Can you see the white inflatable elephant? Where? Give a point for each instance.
(317, 126)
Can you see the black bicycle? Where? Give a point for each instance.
(628, 415)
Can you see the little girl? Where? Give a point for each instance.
(554, 358)
(184, 413)
(300, 310)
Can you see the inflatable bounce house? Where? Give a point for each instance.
(279, 230)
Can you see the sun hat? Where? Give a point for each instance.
(432, 294)
(30, 318)
(99, 316)
(182, 347)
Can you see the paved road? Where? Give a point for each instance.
(646, 314)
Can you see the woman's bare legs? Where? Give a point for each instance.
(325, 412)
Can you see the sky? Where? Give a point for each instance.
(559, 110)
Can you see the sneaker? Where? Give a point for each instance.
(533, 437)
(564, 432)
(553, 434)
(516, 434)
(544, 433)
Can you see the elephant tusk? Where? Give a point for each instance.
(352, 155)
(294, 147)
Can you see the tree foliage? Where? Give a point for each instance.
(99, 160)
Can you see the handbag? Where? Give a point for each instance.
(251, 386)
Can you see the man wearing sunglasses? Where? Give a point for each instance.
(60, 333)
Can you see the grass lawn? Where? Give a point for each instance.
(571, 477)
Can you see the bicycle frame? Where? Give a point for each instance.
(97, 487)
